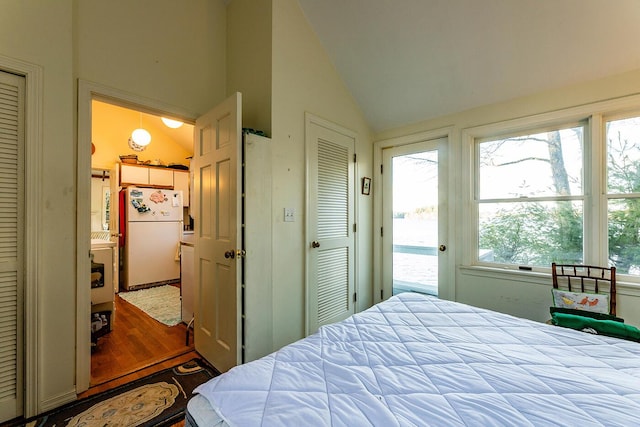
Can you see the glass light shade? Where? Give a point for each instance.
(141, 137)
(173, 124)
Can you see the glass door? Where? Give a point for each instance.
(412, 217)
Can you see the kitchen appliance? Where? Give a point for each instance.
(152, 233)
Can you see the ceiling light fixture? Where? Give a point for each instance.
(140, 138)
(173, 124)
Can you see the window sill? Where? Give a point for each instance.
(536, 277)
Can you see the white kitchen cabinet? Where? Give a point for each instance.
(161, 177)
(133, 175)
(145, 176)
(181, 182)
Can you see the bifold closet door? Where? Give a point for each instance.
(12, 104)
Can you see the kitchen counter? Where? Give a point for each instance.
(188, 239)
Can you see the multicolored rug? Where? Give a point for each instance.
(162, 303)
(159, 399)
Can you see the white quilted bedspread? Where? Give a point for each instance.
(417, 360)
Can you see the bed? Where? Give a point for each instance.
(419, 360)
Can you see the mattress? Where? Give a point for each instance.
(418, 360)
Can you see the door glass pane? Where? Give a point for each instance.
(415, 223)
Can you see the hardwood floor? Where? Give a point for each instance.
(137, 345)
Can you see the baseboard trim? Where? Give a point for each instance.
(59, 400)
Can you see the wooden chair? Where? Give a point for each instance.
(586, 278)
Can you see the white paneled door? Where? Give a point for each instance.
(217, 207)
(12, 104)
(330, 223)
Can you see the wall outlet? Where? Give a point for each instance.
(289, 215)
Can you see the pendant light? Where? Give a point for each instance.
(140, 138)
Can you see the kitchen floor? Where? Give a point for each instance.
(136, 342)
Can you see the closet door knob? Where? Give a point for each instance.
(315, 244)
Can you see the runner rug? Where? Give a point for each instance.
(159, 399)
(162, 303)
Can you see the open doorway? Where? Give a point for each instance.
(128, 338)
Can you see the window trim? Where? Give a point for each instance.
(594, 115)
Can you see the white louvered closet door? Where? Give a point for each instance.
(331, 247)
(11, 243)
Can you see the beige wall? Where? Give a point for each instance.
(304, 80)
(165, 50)
(249, 60)
(524, 295)
(41, 33)
(148, 48)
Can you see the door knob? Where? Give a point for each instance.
(315, 244)
(442, 248)
(230, 254)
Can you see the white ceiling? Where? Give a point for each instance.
(406, 61)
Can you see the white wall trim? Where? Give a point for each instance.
(378, 146)
(33, 194)
(58, 400)
(88, 91)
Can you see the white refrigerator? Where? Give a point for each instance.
(152, 237)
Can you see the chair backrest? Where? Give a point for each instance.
(586, 278)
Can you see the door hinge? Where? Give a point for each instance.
(381, 232)
(355, 228)
(381, 294)
(380, 169)
(354, 157)
(355, 297)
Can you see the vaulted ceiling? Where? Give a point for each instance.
(405, 61)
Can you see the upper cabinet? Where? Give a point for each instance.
(145, 176)
(181, 182)
(149, 176)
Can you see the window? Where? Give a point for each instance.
(530, 197)
(623, 194)
(558, 187)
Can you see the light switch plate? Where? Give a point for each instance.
(289, 215)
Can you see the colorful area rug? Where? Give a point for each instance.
(157, 400)
(162, 303)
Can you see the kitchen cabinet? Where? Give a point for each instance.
(161, 177)
(145, 176)
(181, 182)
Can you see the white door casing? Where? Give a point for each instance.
(383, 246)
(330, 282)
(217, 208)
(88, 91)
(114, 222)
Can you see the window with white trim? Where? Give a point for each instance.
(530, 196)
(623, 193)
(566, 192)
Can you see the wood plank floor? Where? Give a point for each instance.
(136, 347)
(136, 342)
